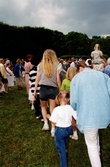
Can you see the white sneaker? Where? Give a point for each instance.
(5, 91)
(32, 107)
(74, 137)
(45, 127)
(42, 120)
(52, 132)
(38, 117)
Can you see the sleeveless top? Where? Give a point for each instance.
(48, 81)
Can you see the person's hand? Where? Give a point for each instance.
(48, 116)
(35, 95)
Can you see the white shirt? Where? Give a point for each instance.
(62, 116)
(72, 64)
(96, 54)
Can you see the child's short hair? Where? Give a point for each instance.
(65, 93)
(71, 72)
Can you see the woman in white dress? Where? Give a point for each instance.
(10, 76)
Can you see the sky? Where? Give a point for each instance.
(90, 17)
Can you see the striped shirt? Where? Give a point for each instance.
(32, 78)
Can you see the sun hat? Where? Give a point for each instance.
(87, 63)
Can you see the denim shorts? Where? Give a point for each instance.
(47, 92)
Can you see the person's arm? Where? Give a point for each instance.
(22, 68)
(58, 79)
(36, 84)
(107, 82)
(92, 56)
(7, 71)
(48, 117)
(104, 59)
(73, 95)
(73, 122)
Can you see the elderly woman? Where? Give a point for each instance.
(90, 97)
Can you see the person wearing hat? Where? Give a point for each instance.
(90, 98)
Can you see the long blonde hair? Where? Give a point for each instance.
(49, 62)
(71, 72)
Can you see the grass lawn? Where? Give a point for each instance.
(24, 144)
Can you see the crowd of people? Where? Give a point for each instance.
(72, 94)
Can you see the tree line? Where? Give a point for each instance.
(17, 42)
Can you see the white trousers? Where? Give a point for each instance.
(92, 141)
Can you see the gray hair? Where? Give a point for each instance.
(108, 60)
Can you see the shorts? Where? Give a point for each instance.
(48, 92)
(19, 81)
(4, 80)
(31, 96)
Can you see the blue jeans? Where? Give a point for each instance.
(61, 141)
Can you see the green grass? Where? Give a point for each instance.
(24, 144)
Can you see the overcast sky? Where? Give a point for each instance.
(91, 17)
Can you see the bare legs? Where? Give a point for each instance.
(52, 105)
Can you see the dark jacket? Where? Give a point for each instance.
(17, 69)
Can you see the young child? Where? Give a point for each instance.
(71, 72)
(61, 117)
(98, 60)
(35, 103)
(31, 97)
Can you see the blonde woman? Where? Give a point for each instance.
(71, 72)
(49, 80)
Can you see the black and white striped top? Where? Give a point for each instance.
(32, 78)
